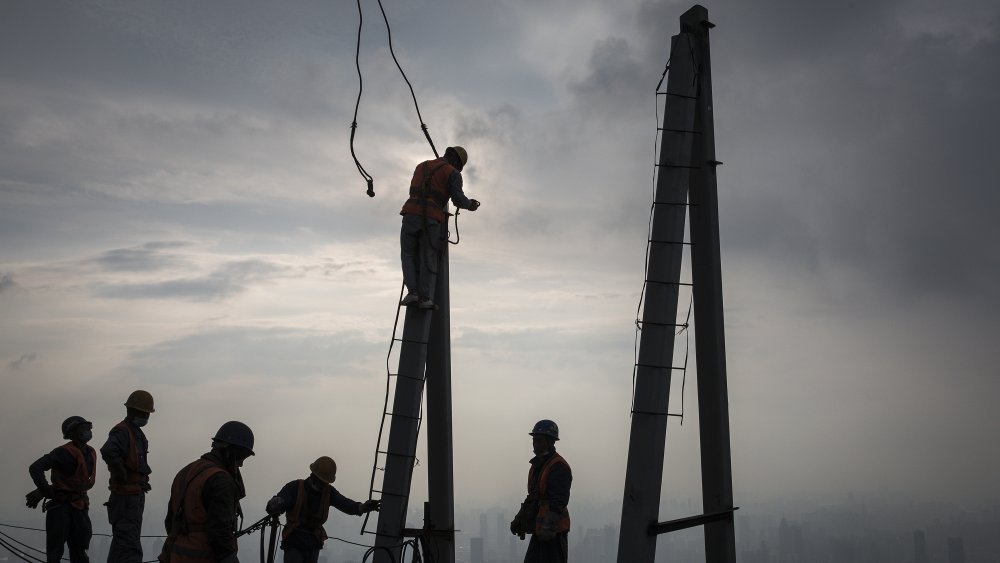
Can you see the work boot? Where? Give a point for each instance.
(426, 304)
(410, 299)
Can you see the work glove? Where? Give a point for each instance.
(515, 528)
(371, 505)
(32, 499)
(473, 204)
(550, 522)
(274, 506)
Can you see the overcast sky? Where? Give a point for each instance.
(179, 212)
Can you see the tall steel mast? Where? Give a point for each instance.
(686, 186)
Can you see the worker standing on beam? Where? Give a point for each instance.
(306, 504)
(544, 513)
(125, 453)
(74, 470)
(205, 501)
(434, 182)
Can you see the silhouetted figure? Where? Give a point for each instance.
(125, 453)
(73, 467)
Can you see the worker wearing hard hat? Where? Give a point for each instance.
(74, 470)
(125, 453)
(543, 513)
(434, 182)
(306, 504)
(202, 514)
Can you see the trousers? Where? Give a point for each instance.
(125, 517)
(295, 555)
(66, 525)
(555, 550)
(419, 241)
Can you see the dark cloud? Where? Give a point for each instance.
(6, 282)
(23, 361)
(144, 258)
(277, 353)
(229, 280)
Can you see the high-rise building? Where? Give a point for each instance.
(956, 550)
(476, 550)
(482, 527)
(919, 547)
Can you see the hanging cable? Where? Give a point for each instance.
(423, 126)
(354, 123)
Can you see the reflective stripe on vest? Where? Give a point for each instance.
(541, 489)
(298, 517)
(429, 190)
(72, 487)
(133, 479)
(188, 541)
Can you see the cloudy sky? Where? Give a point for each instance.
(179, 212)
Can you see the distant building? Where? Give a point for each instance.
(956, 550)
(919, 547)
(476, 550)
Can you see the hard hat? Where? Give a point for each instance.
(325, 469)
(460, 152)
(141, 401)
(235, 433)
(546, 428)
(71, 423)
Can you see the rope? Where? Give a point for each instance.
(354, 123)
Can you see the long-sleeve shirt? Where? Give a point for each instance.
(455, 190)
(220, 496)
(58, 458)
(302, 538)
(115, 450)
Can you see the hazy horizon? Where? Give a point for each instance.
(179, 212)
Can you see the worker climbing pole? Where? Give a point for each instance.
(425, 348)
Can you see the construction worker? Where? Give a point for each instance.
(434, 182)
(74, 470)
(125, 453)
(306, 504)
(544, 514)
(202, 514)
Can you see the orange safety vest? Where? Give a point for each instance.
(188, 539)
(298, 516)
(540, 494)
(72, 488)
(133, 479)
(429, 190)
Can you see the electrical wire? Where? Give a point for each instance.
(354, 123)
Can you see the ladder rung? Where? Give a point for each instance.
(677, 95)
(669, 282)
(669, 414)
(672, 368)
(678, 130)
(654, 323)
(410, 341)
(669, 242)
(411, 417)
(409, 377)
(669, 165)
